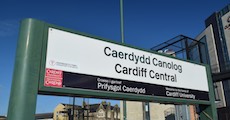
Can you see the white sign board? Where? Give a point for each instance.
(70, 54)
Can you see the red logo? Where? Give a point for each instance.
(53, 78)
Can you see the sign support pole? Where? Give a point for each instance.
(24, 89)
(122, 41)
(208, 112)
(122, 21)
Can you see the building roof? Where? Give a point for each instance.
(44, 115)
(91, 107)
(177, 45)
(2, 116)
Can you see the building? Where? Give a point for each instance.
(102, 111)
(147, 111)
(217, 50)
(217, 37)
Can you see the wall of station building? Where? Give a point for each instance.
(157, 111)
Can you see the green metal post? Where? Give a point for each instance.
(24, 89)
(124, 110)
(122, 21)
(209, 112)
(122, 41)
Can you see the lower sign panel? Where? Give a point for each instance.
(75, 80)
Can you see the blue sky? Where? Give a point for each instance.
(146, 24)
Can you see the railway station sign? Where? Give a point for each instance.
(76, 61)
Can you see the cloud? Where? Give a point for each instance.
(8, 27)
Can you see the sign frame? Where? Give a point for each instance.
(29, 74)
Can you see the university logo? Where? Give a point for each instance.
(52, 62)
